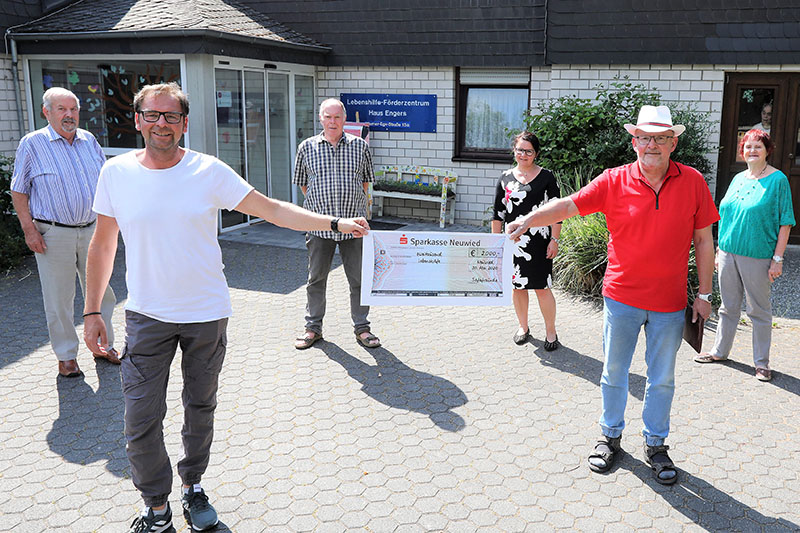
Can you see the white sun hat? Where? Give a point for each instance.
(654, 119)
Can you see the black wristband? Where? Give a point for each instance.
(335, 225)
(92, 313)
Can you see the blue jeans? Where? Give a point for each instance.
(663, 334)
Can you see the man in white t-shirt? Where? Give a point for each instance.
(165, 200)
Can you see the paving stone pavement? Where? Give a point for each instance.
(448, 427)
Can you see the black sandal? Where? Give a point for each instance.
(606, 450)
(519, 340)
(551, 346)
(663, 468)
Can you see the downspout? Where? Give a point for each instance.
(17, 93)
(546, 17)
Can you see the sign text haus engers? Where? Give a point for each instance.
(392, 112)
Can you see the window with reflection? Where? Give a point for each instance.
(756, 108)
(491, 104)
(105, 89)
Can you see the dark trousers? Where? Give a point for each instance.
(150, 347)
(320, 256)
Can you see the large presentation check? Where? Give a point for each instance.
(436, 268)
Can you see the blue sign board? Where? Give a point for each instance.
(392, 112)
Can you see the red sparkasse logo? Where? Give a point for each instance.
(403, 239)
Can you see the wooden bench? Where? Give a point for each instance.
(418, 174)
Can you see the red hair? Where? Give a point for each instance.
(757, 135)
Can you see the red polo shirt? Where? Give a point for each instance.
(650, 234)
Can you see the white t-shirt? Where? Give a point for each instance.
(168, 220)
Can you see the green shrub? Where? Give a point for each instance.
(6, 170)
(589, 134)
(12, 240)
(582, 255)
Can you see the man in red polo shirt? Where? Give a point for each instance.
(655, 208)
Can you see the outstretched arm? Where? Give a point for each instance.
(99, 265)
(550, 213)
(294, 217)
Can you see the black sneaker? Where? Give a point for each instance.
(199, 514)
(153, 523)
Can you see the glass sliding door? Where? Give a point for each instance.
(256, 130)
(305, 119)
(280, 161)
(230, 131)
(262, 116)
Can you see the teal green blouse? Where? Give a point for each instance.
(752, 212)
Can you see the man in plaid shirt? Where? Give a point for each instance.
(334, 170)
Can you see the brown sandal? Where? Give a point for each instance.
(307, 340)
(370, 341)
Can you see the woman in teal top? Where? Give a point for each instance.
(756, 217)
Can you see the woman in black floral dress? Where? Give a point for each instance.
(520, 190)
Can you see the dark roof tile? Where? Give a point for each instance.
(226, 16)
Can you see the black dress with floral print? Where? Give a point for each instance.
(532, 268)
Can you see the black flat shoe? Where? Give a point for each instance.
(520, 339)
(551, 346)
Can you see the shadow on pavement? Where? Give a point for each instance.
(89, 427)
(706, 505)
(779, 379)
(393, 383)
(266, 268)
(568, 360)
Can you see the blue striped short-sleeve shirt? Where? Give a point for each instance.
(59, 178)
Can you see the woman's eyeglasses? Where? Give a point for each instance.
(520, 151)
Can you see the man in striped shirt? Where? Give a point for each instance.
(53, 186)
(334, 170)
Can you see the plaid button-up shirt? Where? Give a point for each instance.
(335, 177)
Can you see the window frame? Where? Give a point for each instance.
(461, 153)
(93, 58)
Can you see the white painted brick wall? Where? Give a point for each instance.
(9, 134)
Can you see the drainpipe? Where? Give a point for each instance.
(15, 77)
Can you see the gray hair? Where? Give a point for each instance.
(55, 92)
(330, 101)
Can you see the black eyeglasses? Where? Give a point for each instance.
(170, 116)
(522, 151)
(644, 140)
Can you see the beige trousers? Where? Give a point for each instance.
(65, 256)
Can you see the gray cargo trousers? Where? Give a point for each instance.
(150, 347)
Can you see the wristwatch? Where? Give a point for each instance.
(777, 258)
(704, 297)
(335, 225)
(554, 239)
